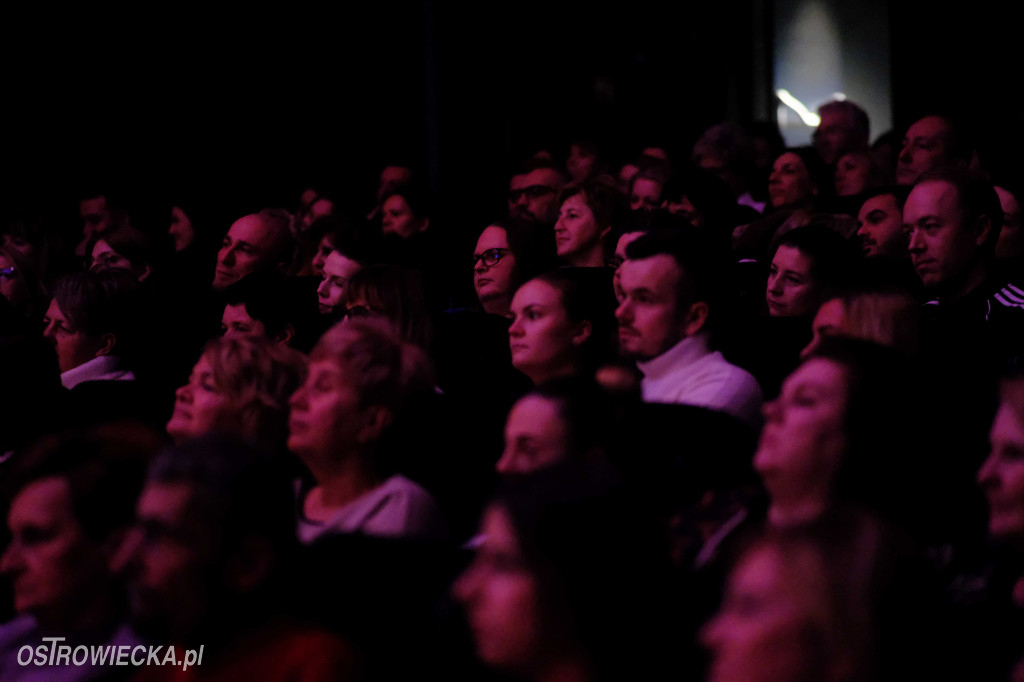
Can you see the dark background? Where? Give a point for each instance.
(246, 109)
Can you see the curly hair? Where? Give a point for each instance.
(257, 377)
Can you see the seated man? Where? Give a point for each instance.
(207, 563)
(72, 499)
(664, 324)
(254, 243)
(533, 194)
(932, 142)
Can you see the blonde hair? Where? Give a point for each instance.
(385, 369)
(887, 317)
(257, 377)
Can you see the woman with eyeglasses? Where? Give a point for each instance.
(508, 252)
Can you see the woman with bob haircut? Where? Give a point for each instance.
(240, 385)
(360, 380)
(587, 213)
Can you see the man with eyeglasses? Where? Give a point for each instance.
(534, 194)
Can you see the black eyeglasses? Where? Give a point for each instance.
(490, 257)
(8, 272)
(531, 192)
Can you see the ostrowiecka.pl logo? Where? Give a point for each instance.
(140, 655)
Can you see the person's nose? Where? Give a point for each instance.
(624, 313)
(321, 290)
(184, 394)
(11, 560)
(770, 411)
(227, 256)
(127, 552)
(516, 328)
(915, 243)
(774, 284)
(987, 473)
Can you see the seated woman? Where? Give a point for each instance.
(568, 583)
(391, 297)
(586, 216)
(834, 603)
(561, 326)
(840, 434)
(888, 317)
(125, 248)
(1001, 478)
(564, 420)
(360, 380)
(509, 252)
(240, 385)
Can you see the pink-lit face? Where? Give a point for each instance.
(168, 560)
(542, 339)
(500, 596)
(493, 280)
(829, 319)
(577, 234)
(803, 440)
(646, 194)
(925, 147)
(648, 317)
(200, 406)
(626, 174)
(760, 633)
(325, 415)
(323, 250)
(535, 436)
(834, 135)
(51, 562)
(247, 248)
(853, 172)
(941, 246)
(181, 230)
(104, 257)
(536, 195)
(792, 289)
(237, 322)
(1002, 477)
(880, 228)
(95, 215)
(338, 270)
(397, 218)
(790, 185)
(74, 347)
(580, 164)
(391, 178)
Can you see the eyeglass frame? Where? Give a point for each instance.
(502, 252)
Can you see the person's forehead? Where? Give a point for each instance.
(43, 501)
(394, 173)
(93, 204)
(168, 503)
(657, 272)
(791, 258)
(251, 229)
(339, 265)
(885, 202)
(236, 312)
(493, 237)
(932, 196)
(533, 414)
(542, 176)
(929, 126)
(536, 292)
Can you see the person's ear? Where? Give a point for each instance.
(144, 275)
(106, 344)
(605, 232)
(696, 317)
(983, 228)
(583, 331)
(285, 336)
(424, 224)
(249, 565)
(376, 420)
